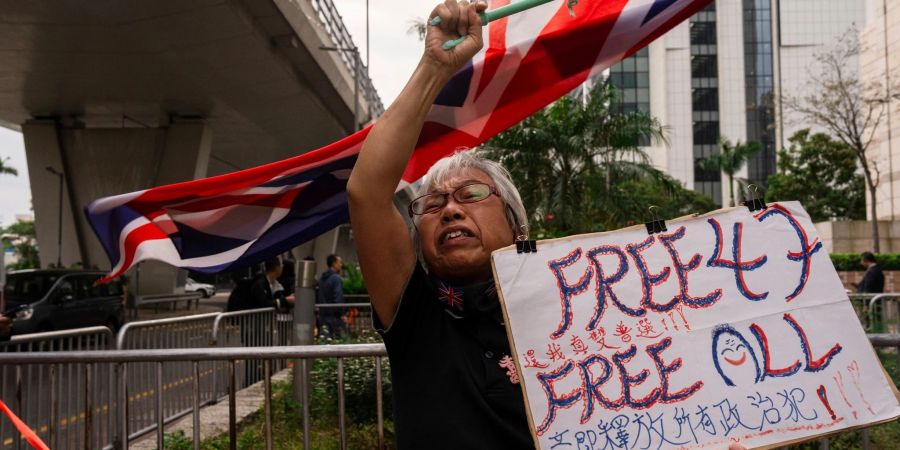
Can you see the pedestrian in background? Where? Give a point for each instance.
(288, 278)
(873, 279)
(331, 291)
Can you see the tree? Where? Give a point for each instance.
(4, 168)
(22, 236)
(417, 27)
(730, 160)
(681, 202)
(822, 173)
(576, 160)
(849, 109)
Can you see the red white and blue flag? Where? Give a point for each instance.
(230, 221)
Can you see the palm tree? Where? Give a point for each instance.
(417, 27)
(571, 159)
(7, 169)
(730, 160)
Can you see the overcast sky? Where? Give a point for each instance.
(393, 56)
(394, 53)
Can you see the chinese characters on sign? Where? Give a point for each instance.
(714, 332)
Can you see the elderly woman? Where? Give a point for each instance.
(440, 318)
(439, 315)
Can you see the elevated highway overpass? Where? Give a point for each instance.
(121, 96)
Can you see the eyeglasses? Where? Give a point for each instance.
(470, 193)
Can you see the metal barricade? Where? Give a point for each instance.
(37, 392)
(355, 317)
(194, 331)
(284, 336)
(171, 299)
(67, 406)
(160, 359)
(860, 303)
(884, 313)
(248, 328)
(128, 360)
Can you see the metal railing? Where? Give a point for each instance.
(878, 313)
(160, 299)
(242, 329)
(194, 331)
(334, 25)
(357, 317)
(57, 393)
(46, 396)
(125, 360)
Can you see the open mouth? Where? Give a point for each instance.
(455, 235)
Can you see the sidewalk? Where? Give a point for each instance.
(214, 418)
(214, 304)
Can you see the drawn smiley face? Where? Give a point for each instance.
(733, 352)
(733, 357)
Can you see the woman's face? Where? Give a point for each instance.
(458, 239)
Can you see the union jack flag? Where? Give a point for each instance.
(230, 221)
(451, 296)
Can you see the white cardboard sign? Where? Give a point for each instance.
(729, 327)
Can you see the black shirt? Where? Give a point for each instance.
(445, 345)
(873, 281)
(252, 294)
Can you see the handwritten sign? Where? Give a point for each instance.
(729, 327)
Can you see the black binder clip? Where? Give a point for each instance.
(523, 244)
(755, 202)
(656, 225)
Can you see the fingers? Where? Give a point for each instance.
(474, 18)
(462, 25)
(455, 22)
(442, 11)
(457, 16)
(449, 25)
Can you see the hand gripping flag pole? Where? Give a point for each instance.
(499, 13)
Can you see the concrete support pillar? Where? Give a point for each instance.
(98, 162)
(43, 151)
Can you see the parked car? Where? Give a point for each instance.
(49, 300)
(206, 290)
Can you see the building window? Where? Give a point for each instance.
(759, 81)
(705, 100)
(631, 77)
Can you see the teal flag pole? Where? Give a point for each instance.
(499, 13)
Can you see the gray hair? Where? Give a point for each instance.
(463, 159)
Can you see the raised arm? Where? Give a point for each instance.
(385, 249)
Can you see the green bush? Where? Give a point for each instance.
(359, 386)
(850, 261)
(354, 283)
(177, 441)
(287, 424)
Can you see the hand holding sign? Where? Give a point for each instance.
(713, 333)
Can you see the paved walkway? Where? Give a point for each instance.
(213, 304)
(214, 418)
